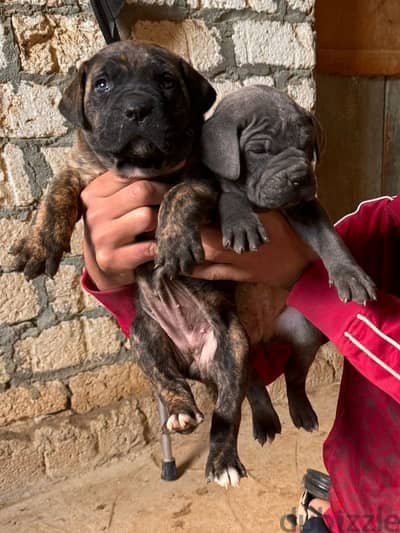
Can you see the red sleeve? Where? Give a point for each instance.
(368, 336)
(118, 301)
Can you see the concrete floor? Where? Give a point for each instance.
(129, 497)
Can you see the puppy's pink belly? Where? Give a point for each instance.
(186, 323)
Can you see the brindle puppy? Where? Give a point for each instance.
(138, 110)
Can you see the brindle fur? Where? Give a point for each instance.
(146, 124)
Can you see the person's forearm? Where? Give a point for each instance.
(367, 336)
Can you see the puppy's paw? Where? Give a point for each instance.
(245, 234)
(225, 468)
(35, 255)
(352, 284)
(177, 254)
(265, 428)
(302, 414)
(184, 422)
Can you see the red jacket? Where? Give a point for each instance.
(362, 451)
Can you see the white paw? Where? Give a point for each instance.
(183, 421)
(229, 477)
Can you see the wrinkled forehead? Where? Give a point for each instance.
(250, 105)
(142, 60)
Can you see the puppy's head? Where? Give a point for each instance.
(139, 106)
(248, 128)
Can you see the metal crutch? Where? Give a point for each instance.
(168, 465)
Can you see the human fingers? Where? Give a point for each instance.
(120, 231)
(114, 202)
(125, 258)
(105, 185)
(138, 194)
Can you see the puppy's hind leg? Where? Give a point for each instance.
(266, 423)
(305, 339)
(229, 374)
(155, 355)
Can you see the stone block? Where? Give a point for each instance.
(121, 430)
(106, 385)
(68, 448)
(102, 337)
(190, 39)
(4, 375)
(264, 6)
(71, 343)
(47, 3)
(54, 43)
(306, 6)
(28, 402)
(274, 43)
(64, 291)
(152, 2)
(21, 463)
(31, 111)
(217, 4)
(11, 231)
(56, 157)
(54, 348)
(259, 80)
(261, 6)
(303, 91)
(77, 239)
(18, 299)
(18, 189)
(3, 59)
(66, 294)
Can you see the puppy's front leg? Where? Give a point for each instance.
(312, 224)
(184, 208)
(42, 249)
(240, 225)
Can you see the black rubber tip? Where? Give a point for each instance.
(168, 471)
(317, 484)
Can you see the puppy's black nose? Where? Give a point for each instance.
(137, 109)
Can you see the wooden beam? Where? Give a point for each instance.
(351, 112)
(359, 37)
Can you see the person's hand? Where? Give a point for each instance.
(279, 263)
(116, 212)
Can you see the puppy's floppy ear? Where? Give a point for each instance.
(201, 92)
(71, 103)
(220, 146)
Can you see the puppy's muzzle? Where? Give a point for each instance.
(137, 107)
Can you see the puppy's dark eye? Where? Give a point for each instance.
(102, 86)
(168, 82)
(257, 148)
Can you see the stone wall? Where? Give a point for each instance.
(70, 398)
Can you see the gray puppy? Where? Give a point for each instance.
(262, 146)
